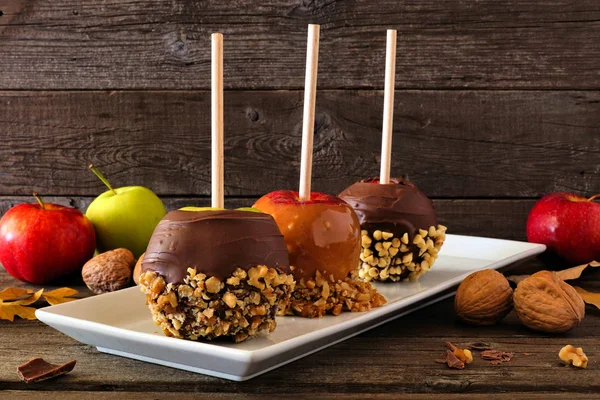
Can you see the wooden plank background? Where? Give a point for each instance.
(117, 44)
(497, 102)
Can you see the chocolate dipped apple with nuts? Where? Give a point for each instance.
(216, 273)
(400, 236)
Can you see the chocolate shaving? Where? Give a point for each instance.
(38, 370)
(450, 346)
(451, 360)
(491, 355)
(496, 357)
(480, 346)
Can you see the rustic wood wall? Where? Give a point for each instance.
(497, 102)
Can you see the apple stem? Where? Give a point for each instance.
(102, 178)
(39, 199)
(594, 197)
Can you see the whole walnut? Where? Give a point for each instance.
(544, 302)
(483, 298)
(108, 271)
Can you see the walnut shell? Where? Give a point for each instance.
(546, 303)
(483, 298)
(108, 271)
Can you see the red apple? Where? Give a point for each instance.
(321, 234)
(568, 224)
(42, 242)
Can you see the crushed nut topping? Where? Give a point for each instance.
(387, 258)
(238, 307)
(319, 296)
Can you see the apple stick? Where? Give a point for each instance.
(217, 184)
(388, 107)
(308, 122)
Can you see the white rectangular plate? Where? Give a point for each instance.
(120, 323)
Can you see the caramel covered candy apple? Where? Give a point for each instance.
(323, 240)
(208, 274)
(400, 235)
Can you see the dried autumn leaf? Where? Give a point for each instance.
(9, 310)
(14, 293)
(24, 297)
(59, 296)
(566, 274)
(517, 278)
(575, 272)
(588, 297)
(29, 300)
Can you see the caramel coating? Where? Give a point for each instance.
(320, 235)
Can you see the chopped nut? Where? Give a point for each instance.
(575, 356)
(464, 355)
(366, 241)
(213, 284)
(386, 235)
(233, 281)
(404, 238)
(377, 235)
(230, 299)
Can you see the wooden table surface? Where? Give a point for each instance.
(393, 361)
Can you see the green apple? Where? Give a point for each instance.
(251, 209)
(124, 217)
(192, 208)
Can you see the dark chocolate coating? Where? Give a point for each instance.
(398, 207)
(215, 243)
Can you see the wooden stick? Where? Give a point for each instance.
(308, 123)
(388, 107)
(217, 184)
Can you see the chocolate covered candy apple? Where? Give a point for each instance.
(216, 273)
(400, 235)
(322, 235)
(221, 273)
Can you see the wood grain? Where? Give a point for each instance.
(452, 144)
(504, 219)
(164, 44)
(396, 358)
(76, 395)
